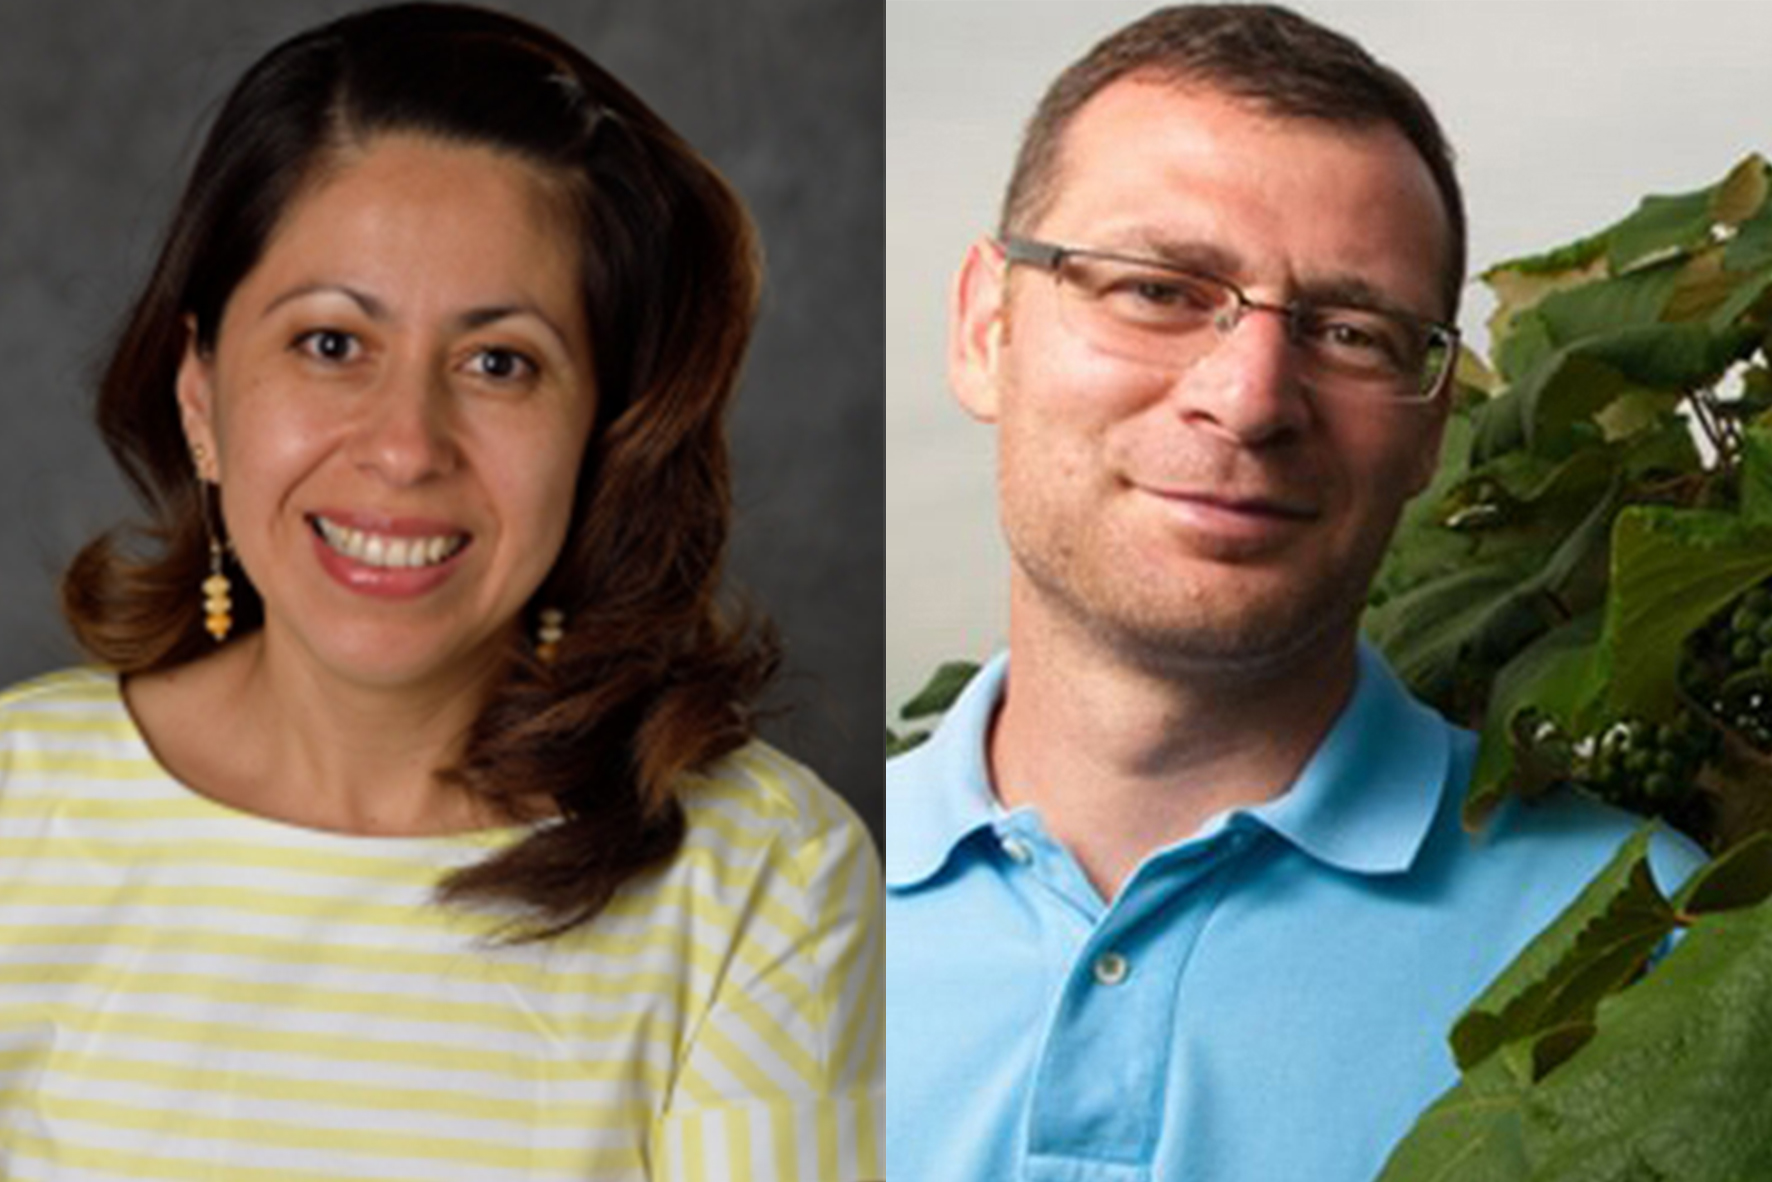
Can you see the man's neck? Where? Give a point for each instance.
(1121, 759)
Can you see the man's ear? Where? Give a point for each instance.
(196, 405)
(977, 327)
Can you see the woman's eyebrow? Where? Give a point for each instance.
(481, 317)
(372, 307)
(376, 310)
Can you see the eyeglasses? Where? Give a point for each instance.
(1159, 314)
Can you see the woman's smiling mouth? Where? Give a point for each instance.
(387, 551)
(395, 560)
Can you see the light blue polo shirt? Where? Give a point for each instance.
(1266, 1001)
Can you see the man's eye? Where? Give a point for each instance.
(1368, 339)
(1167, 295)
(502, 365)
(329, 344)
(1157, 292)
(1350, 336)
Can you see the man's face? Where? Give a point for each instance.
(1228, 514)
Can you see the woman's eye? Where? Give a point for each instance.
(329, 344)
(502, 365)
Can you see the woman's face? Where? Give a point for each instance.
(396, 408)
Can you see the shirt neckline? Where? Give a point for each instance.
(1364, 802)
(139, 748)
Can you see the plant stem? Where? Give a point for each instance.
(1719, 429)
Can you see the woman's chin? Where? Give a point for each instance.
(389, 656)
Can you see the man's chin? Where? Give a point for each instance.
(1250, 640)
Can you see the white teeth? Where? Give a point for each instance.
(393, 553)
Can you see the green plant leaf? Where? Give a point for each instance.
(1554, 1047)
(1427, 632)
(1746, 298)
(1656, 225)
(939, 693)
(1756, 475)
(1529, 478)
(1574, 256)
(1564, 388)
(1673, 1083)
(1577, 382)
(1743, 192)
(1672, 569)
(1751, 247)
(1555, 676)
(1671, 1086)
(1661, 225)
(1594, 947)
(1578, 1066)
(1474, 1133)
(1522, 345)
(1607, 305)
(1486, 613)
(1739, 877)
(897, 744)
(1421, 549)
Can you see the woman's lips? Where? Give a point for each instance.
(387, 558)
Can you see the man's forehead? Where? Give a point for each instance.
(1161, 168)
(1138, 119)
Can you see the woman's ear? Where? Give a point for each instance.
(977, 327)
(196, 405)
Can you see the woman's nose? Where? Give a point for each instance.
(406, 436)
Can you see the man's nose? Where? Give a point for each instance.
(1247, 387)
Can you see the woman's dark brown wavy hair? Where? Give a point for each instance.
(654, 678)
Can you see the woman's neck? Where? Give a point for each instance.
(258, 729)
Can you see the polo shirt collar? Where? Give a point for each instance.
(940, 794)
(1368, 796)
(1364, 802)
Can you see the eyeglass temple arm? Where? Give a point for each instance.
(1036, 254)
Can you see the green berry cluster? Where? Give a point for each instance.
(1645, 767)
(1648, 767)
(1728, 667)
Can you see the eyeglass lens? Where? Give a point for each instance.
(1163, 317)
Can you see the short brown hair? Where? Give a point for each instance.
(1279, 61)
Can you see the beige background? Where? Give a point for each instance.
(1563, 112)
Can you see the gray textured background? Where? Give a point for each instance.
(102, 103)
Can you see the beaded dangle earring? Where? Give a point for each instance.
(548, 636)
(218, 604)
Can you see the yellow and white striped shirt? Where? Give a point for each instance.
(192, 993)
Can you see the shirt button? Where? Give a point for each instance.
(1111, 968)
(1017, 851)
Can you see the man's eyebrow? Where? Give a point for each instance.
(1351, 291)
(1187, 254)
